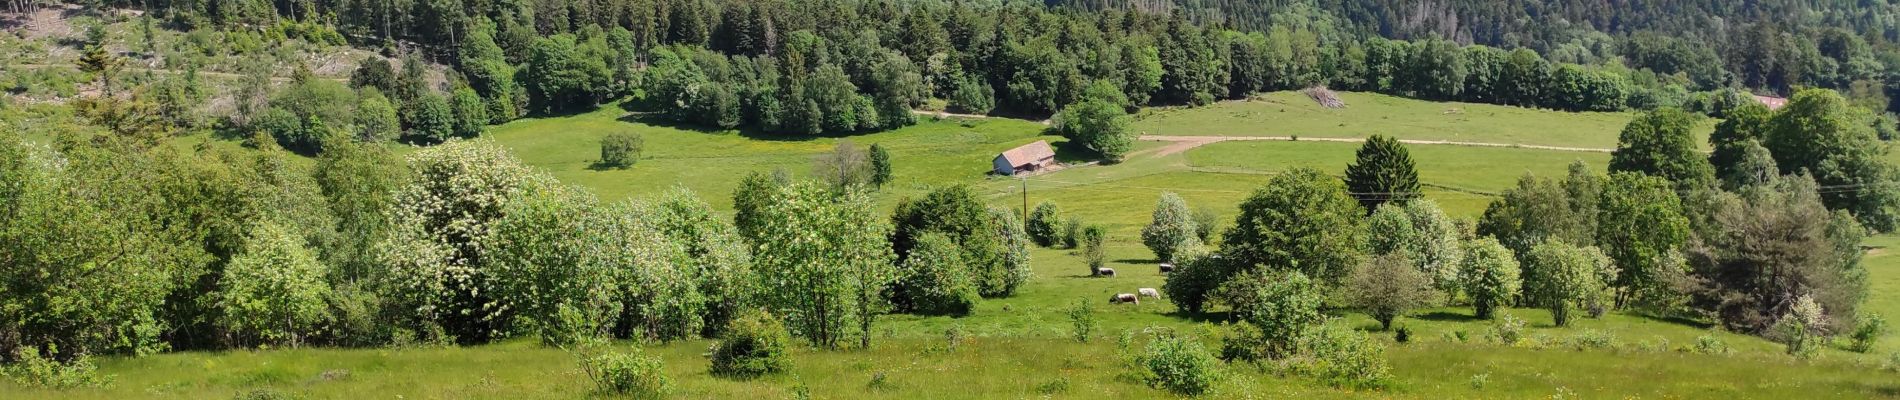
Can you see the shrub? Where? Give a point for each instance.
(274, 290)
(1402, 335)
(1388, 287)
(631, 374)
(263, 394)
(1593, 339)
(1347, 359)
(1205, 221)
(32, 370)
(1082, 318)
(935, 279)
(1508, 330)
(1058, 386)
(1562, 277)
(754, 345)
(1197, 273)
(1072, 232)
(1870, 329)
(1093, 249)
(621, 149)
(1045, 224)
(1172, 229)
(1709, 344)
(1490, 276)
(1478, 381)
(1284, 305)
(1244, 342)
(1802, 328)
(1180, 365)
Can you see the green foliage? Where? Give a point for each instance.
(1094, 239)
(829, 257)
(469, 113)
(86, 294)
(34, 370)
(1180, 364)
(1508, 330)
(430, 119)
(1345, 358)
(881, 163)
(1099, 124)
(1082, 320)
(307, 109)
(716, 263)
(1561, 277)
(1709, 344)
(273, 291)
(1388, 287)
(357, 180)
(1867, 333)
(1641, 227)
(376, 119)
(1768, 247)
(935, 279)
(1660, 144)
(442, 226)
(1197, 274)
(543, 270)
(753, 345)
(1818, 132)
(1540, 210)
(993, 243)
(1382, 172)
(562, 75)
(1803, 328)
(631, 374)
(971, 95)
(1172, 229)
(1490, 276)
(1284, 305)
(1044, 225)
(1072, 232)
(621, 149)
(1302, 220)
(846, 167)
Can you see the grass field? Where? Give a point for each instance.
(1019, 347)
(1366, 114)
(1015, 346)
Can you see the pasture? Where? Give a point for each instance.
(1019, 347)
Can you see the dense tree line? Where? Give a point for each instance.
(840, 67)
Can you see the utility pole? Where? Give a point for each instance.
(1025, 180)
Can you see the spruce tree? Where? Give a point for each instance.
(1383, 172)
(880, 165)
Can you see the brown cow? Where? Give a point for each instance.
(1167, 267)
(1125, 298)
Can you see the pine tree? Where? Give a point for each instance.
(880, 165)
(1383, 172)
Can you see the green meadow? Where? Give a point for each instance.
(1020, 347)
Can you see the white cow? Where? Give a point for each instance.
(1125, 298)
(1149, 293)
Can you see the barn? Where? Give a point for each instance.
(1027, 158)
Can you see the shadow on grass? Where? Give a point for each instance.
(1204, 316)
(1445, 316)
(1672, 319)
(1138, 261)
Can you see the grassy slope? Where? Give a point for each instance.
(1292, 114)
(1020, 343)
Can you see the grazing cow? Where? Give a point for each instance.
(1149, 293)
(1105, 272)
(1167, 267)
(1125, 298)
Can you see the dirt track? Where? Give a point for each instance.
(1180, 144)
